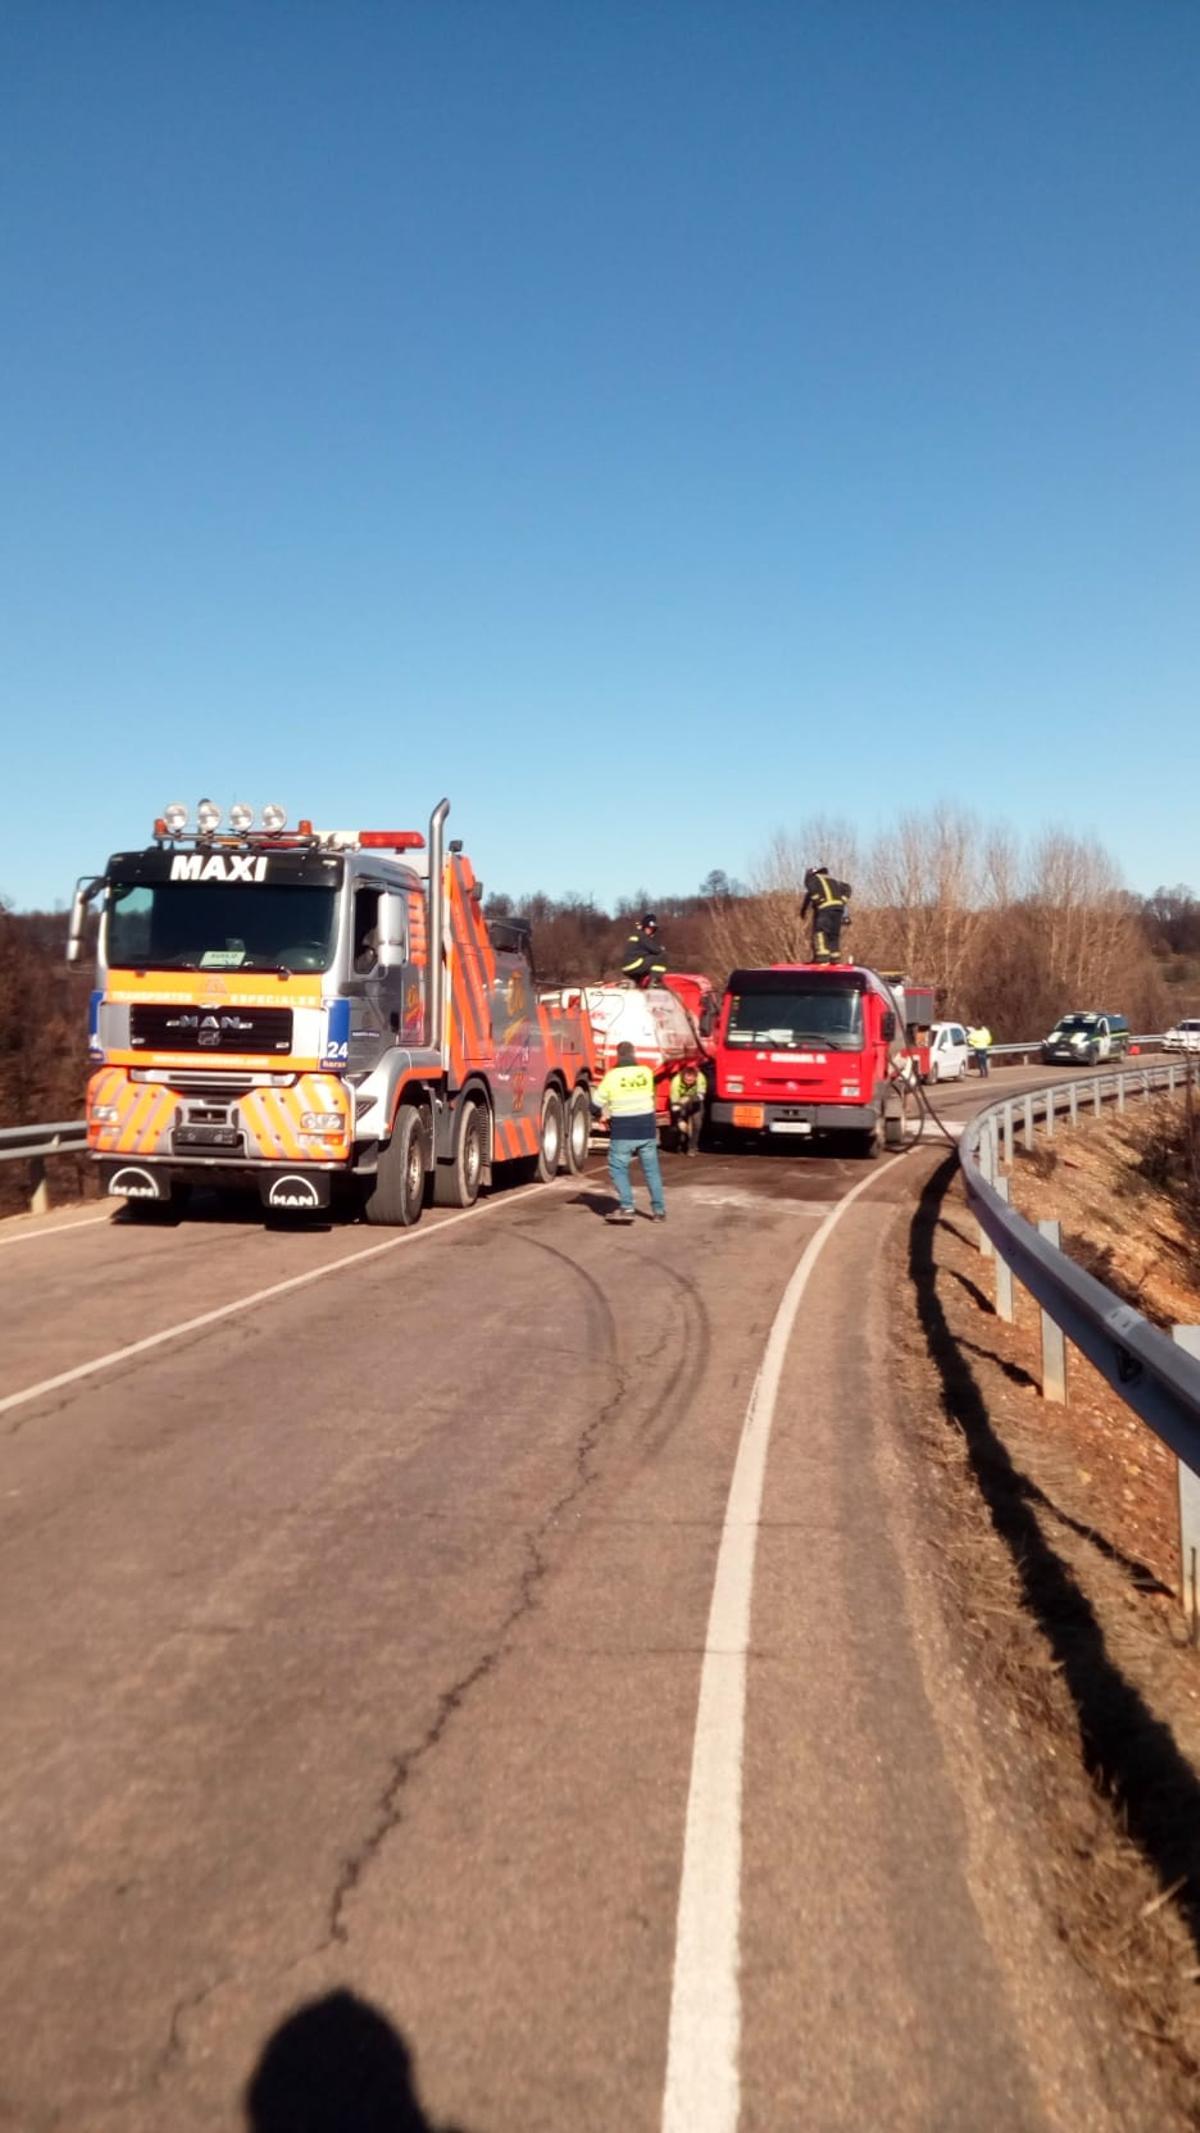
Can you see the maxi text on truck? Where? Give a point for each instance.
(301, 1011)
(805, 1049)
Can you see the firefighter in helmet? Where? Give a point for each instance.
(644, 961)
(825, 900)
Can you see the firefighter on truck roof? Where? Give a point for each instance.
(825, 900)
(645, 959)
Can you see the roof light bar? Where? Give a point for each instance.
(390, 840)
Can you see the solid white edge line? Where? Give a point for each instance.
(64, 1229)
(702, 2087)
(277, 1288)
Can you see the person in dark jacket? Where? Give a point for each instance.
(645, 959)
(825, 900)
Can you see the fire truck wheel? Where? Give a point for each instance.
(550, 1138)
(579, 1131)
(397, 1192)
(456, 1182)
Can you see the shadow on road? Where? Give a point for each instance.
(1129, 1753)
(336, 2066)
(599, 1203)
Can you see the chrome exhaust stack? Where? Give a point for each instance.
(435, 989)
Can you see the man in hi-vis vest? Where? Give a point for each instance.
(626, 1098)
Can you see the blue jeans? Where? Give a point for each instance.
(620, 1160)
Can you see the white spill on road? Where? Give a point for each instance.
(759, 1203)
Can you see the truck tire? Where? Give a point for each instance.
(578, 1131)
(895, 1120)
(871, 1142)
(551, 1137)
(456, 1182)
(396, 1193)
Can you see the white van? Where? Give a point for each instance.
(948, 1052)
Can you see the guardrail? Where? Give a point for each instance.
(1023, 1051)
(32, 1144)
(1155, 1375)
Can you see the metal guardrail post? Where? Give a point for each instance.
(39, 1198)
(1054, 1345)
(1073, 1103)
(1027, 1123)
(1096, 1095)
(1051, 1108)
(1188, 1338)
(1004, 1280)
(1008, 1134)
(1121, 1093)
(987, 1165)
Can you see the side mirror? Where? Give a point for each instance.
(889, 1026)
(87, 887)
(393, 931)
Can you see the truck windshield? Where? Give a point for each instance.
(795, 1018)
(182, 925)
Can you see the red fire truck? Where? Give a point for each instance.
(807, 1049)
(291, 1011)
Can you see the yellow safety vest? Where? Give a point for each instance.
(683, 1091)
(627, 1092)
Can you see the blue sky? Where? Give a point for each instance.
(649, 423)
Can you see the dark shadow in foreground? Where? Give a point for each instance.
(1129, 1752)
(336, 2066)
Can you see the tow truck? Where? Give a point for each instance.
(305, 1013)
(807, 1049)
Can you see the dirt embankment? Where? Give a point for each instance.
(1058, 1529)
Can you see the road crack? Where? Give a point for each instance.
(389, 1804)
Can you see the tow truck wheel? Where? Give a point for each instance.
(579, 1131)
(397, 1191)
(550, 1137)
(456, 1182)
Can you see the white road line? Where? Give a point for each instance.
(277, 1288)
(702, 2091)
(64, 1229)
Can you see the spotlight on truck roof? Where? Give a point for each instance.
(208, 817)
(175, 818)
(274, 818)
(241, 817)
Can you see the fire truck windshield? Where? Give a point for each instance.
(798, 1016)
(179, 925)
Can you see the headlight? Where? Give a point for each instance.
(241, 817)
(208, 817)
(104, 1114)
(175, 818)
(322, 1122)
(274, 818)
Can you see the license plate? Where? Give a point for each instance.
(748, 1115)
(791, 1125)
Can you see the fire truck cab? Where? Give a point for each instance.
(299, 1011)
(806, 1049)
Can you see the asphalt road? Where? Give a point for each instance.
(356, 1637)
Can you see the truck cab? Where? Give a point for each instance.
(809, 1049)
(294, 1012)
